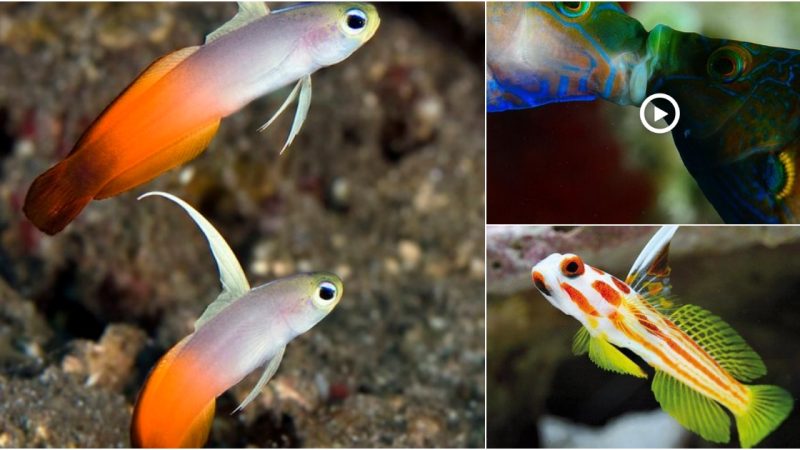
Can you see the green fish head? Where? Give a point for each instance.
(739, 119)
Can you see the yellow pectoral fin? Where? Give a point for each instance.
(174, 155)
(608, 357)
(580, 343)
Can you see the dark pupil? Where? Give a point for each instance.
(572, 267)
(723, 65)
(326, 293)
(355, 22)
(572, 5)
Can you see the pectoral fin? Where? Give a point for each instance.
(231, 275)
(608, 357)
(580, 343)
(269, 371)
(302, 90)
(691, 409)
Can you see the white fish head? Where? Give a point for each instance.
(311, 297)
(557, 274)
(339, 30)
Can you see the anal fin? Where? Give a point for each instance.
(172, 156)
(691, 409)
(608, 357)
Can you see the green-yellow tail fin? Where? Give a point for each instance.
(691, 409)
(769, 406)
(608, 357)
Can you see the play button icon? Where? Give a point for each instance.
(659, 113)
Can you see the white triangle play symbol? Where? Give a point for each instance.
(658, 113)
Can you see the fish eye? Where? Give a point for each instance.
(573, 9)
(326, 291)
(355, 20)
(572, 266)
(728, 63)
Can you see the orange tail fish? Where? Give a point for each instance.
(242, 330)
(700, 362)
(170, 113)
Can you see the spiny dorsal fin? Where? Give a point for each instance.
(721, 341)
(248, 12)
(608, 357)
(231, 275)
(691, 409)
(154, 72)
(649, 275)
(269, 371)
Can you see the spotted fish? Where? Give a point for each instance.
(701, 364)
(739, 131)
(544, 52)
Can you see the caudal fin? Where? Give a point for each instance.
(769, 406)
(55, 198)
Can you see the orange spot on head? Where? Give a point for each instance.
(538, 281)
(578, 298)
(597, 270)
(621, 286)
(608, 293)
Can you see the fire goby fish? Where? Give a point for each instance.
(170, 113)
(243, 329)
(700, 362)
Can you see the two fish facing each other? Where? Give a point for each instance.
(243, 329)
(171, 112)
(737, 135)
(700, 362)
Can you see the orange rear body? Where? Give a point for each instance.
(150, 128)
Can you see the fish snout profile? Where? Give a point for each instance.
(346, 28)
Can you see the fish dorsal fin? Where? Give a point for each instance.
(154, 72)
(608, 357)
(691, 409)
(649, 275)
(248, 12)
(269, 371)
(721, 341)
(231, 275)
(580, 343)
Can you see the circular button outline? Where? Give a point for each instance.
(669, 127)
